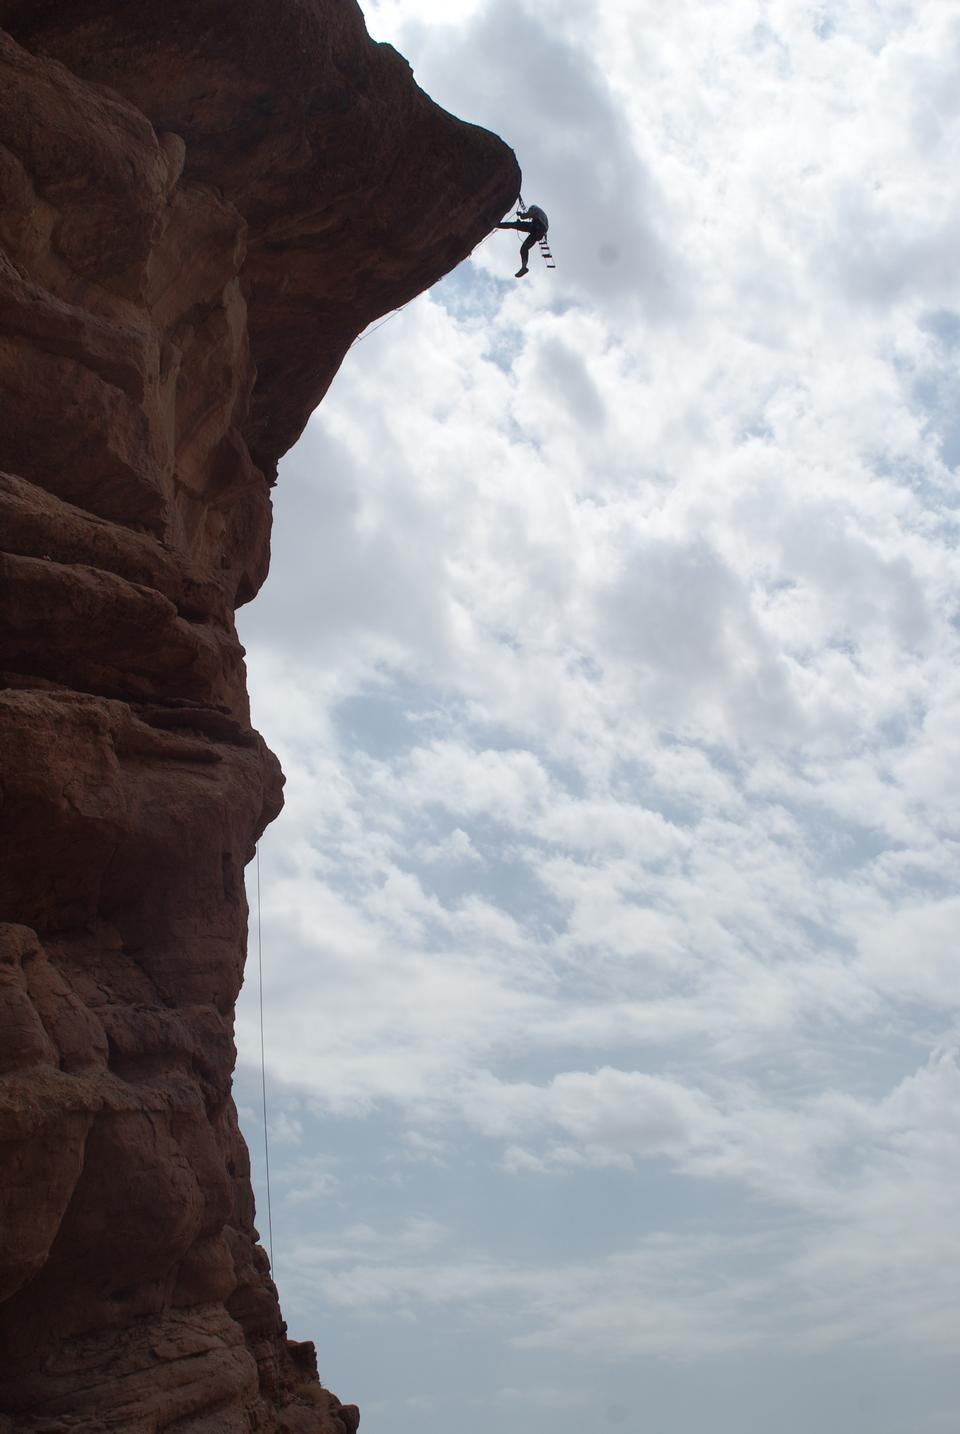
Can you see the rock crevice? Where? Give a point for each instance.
(197, 219)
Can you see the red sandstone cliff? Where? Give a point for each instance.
(201, 205)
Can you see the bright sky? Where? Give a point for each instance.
(611, 651)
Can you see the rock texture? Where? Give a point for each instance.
(201, 205)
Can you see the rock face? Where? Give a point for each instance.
(201, 205)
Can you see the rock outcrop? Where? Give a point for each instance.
(201, 205)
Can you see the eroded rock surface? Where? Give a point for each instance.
(200, 207)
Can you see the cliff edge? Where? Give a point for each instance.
(201, 205)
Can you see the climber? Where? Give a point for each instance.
(534, 224)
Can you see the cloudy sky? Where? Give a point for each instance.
(611, 651)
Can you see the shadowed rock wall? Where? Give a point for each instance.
(201, 205)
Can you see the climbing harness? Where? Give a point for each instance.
(263, 1071)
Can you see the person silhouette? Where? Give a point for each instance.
(534, 223)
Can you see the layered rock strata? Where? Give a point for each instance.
(201, 205)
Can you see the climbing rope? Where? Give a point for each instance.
(263, 1069)
(266, 1142)
(368, 333)
(360, 338)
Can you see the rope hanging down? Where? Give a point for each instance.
(263, 1071)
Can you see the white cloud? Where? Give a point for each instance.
(455, 848)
